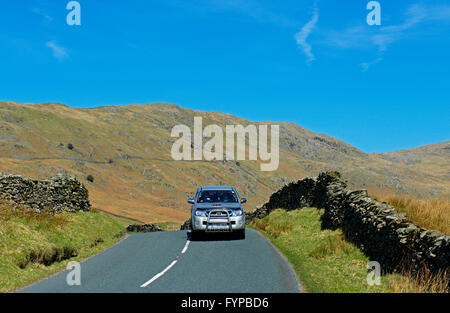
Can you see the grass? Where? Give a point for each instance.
(419, 283)
(430, 214)
(34, 246)
(325, 262)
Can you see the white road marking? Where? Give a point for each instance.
(185, 247)
(167, 268)
(159, 275)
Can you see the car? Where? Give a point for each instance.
(217, 209)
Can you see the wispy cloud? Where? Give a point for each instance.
(390, 34)
(366, 65)
(303, 35)
(40, 9)
(40, 12)
(59, 52)
(366, 37)
(351, 37)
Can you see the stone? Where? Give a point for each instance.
(146, 228)
(57, 194)
(376, 228)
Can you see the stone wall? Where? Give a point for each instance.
(57, 194)
(381, 232)
(146, 228)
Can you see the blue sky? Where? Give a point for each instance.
(315, 63)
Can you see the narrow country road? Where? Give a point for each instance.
(170, 262)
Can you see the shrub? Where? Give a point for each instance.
(70, 146)
(90, 178)
(96, 241)
(47, 256)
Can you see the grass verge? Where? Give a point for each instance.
(325, 262)
(34, 246)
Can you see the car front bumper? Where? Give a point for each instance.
(218, 224)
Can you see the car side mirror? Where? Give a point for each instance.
(243, 200)
(191, 200)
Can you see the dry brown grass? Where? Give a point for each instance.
(419, 282)
(430, 214)
(46, 219)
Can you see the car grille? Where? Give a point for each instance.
(219, 220)
(220, 214)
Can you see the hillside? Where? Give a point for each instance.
(127, 151)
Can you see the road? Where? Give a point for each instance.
(170, 262)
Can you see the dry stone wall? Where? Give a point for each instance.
(57, 194)
(381, 232)
(146, 228)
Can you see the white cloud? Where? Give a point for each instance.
(352, 37)
(366, 65)
(367, 37)
(58, 52)
(42, 13)
(364, 36)
(390, 34)
(303, 35)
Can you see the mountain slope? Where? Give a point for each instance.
(127, 151)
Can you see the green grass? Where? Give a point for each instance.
(34, 246)
(322, 259)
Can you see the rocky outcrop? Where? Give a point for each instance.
(381, 232)
(146, 228)
(57, 194)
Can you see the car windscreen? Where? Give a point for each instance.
(210, 196)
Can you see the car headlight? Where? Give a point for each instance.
(200, 213)
(238, 212)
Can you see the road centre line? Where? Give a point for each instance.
(185, 247)
(159, 274)
(167, 268)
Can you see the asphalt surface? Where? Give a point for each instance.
(170, 262)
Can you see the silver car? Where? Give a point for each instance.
(217, 209)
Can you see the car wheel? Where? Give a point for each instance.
(195, 235)
(240, 234)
